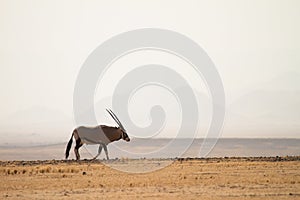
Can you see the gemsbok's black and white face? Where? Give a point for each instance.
(125, 136)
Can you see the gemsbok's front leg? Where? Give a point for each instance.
(99, 152)
(106, 152)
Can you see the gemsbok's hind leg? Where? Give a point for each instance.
(105, 149)
(78, 145)
(99, 152)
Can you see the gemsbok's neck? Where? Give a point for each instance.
(112, 133)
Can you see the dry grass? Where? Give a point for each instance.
(188, 179)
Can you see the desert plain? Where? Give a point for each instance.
(189, 178)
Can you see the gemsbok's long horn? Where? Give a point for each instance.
(118, 121)
(114, 116)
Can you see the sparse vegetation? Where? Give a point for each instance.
(186, 178)
(38, 170)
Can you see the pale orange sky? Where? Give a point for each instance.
(255, 45)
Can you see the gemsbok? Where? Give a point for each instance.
(102, 135)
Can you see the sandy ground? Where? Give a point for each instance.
(216, 178)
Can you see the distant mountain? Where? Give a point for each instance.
(262, 111)
(36, 125)
(139, 112)
(287, 81)
(270, 107)
(261, 102)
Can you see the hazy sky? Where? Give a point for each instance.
(255, 46)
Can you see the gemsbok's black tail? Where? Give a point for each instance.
(69, 146)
